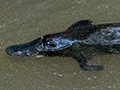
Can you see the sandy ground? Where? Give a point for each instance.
(25, 20)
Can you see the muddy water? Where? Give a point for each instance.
(24, 20)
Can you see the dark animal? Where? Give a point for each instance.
(80, 41)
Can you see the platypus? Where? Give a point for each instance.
(80, 41)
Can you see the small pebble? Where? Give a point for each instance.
(106, 75)
(75, 73)
(109, 86)
(88, 78)
(54, 73)
(36, 28)
(60, 75)
(80, 72)
(95, 76)
(106, 6)
(74, 88)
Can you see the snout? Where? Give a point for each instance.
(9, 51)
(17, 50)
(21, 50)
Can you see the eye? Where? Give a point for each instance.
(53, 45)
(50, 44)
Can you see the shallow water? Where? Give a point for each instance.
(22, 21)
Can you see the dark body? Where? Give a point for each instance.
(82, 41)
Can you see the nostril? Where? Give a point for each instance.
(11, 50)
(8, 50)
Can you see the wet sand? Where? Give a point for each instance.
(23, 21)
